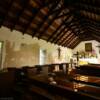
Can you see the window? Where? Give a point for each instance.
(42, 56)
(88, 47)
(1, 47)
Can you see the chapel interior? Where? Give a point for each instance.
(49, 49)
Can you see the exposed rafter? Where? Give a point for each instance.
(73, 39)
(63, 22)
(45, 18)
(59, 27)
(24, 6)
(75, 44)
(2, 17)
(64, 39)
(67, 39)
(55, 31)
(63, 34)
(34, 13)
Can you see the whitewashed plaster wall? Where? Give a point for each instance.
(20, 44)
(81, 47)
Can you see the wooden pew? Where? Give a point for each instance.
(91, 70)
(50, 92)
(92, 84)
(7, 81)
(59, 91)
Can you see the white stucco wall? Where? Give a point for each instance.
(81, 47)
(17, 40)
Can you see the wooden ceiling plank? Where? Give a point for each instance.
(67, 25)
(49, 24)
(34, 15)
(59, 37)
(92, 31)
(92, 27)
(26, 2)
(84, 20)
(64, 39)
(89, 8)
(79, 26)
(57, 10)
(6, 13)
(72, 40)
(89, 18)
(58, 34)
(67, 43)
(31, 19)
(97, 38)
(75, 44)
(96, 3)
(68, 39)
(53, 34)
(44, 19)
(63, 15)
(66, 36)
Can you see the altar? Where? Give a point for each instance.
(92, 60)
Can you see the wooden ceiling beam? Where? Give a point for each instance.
(50, 22)
(53, 34)
(24, 6)
(46, 27)
(89, 8)
(72, 41)
(94, 3)
(31, 19)
(84, 20)
(44, 20)
(75, 44)
(80, 27)
(63, 23)
(43, 3)
(66, 36)
(92, 31)
(87, 17)
(38, 2)
(3, 17)
(91, 26)
(63, 15)
(67, 25)
(57, 10)
(34, 15)
(71, 45)
(57, 34)
(96, 37)
(75, 30)
(67, 39)
(62, 35)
